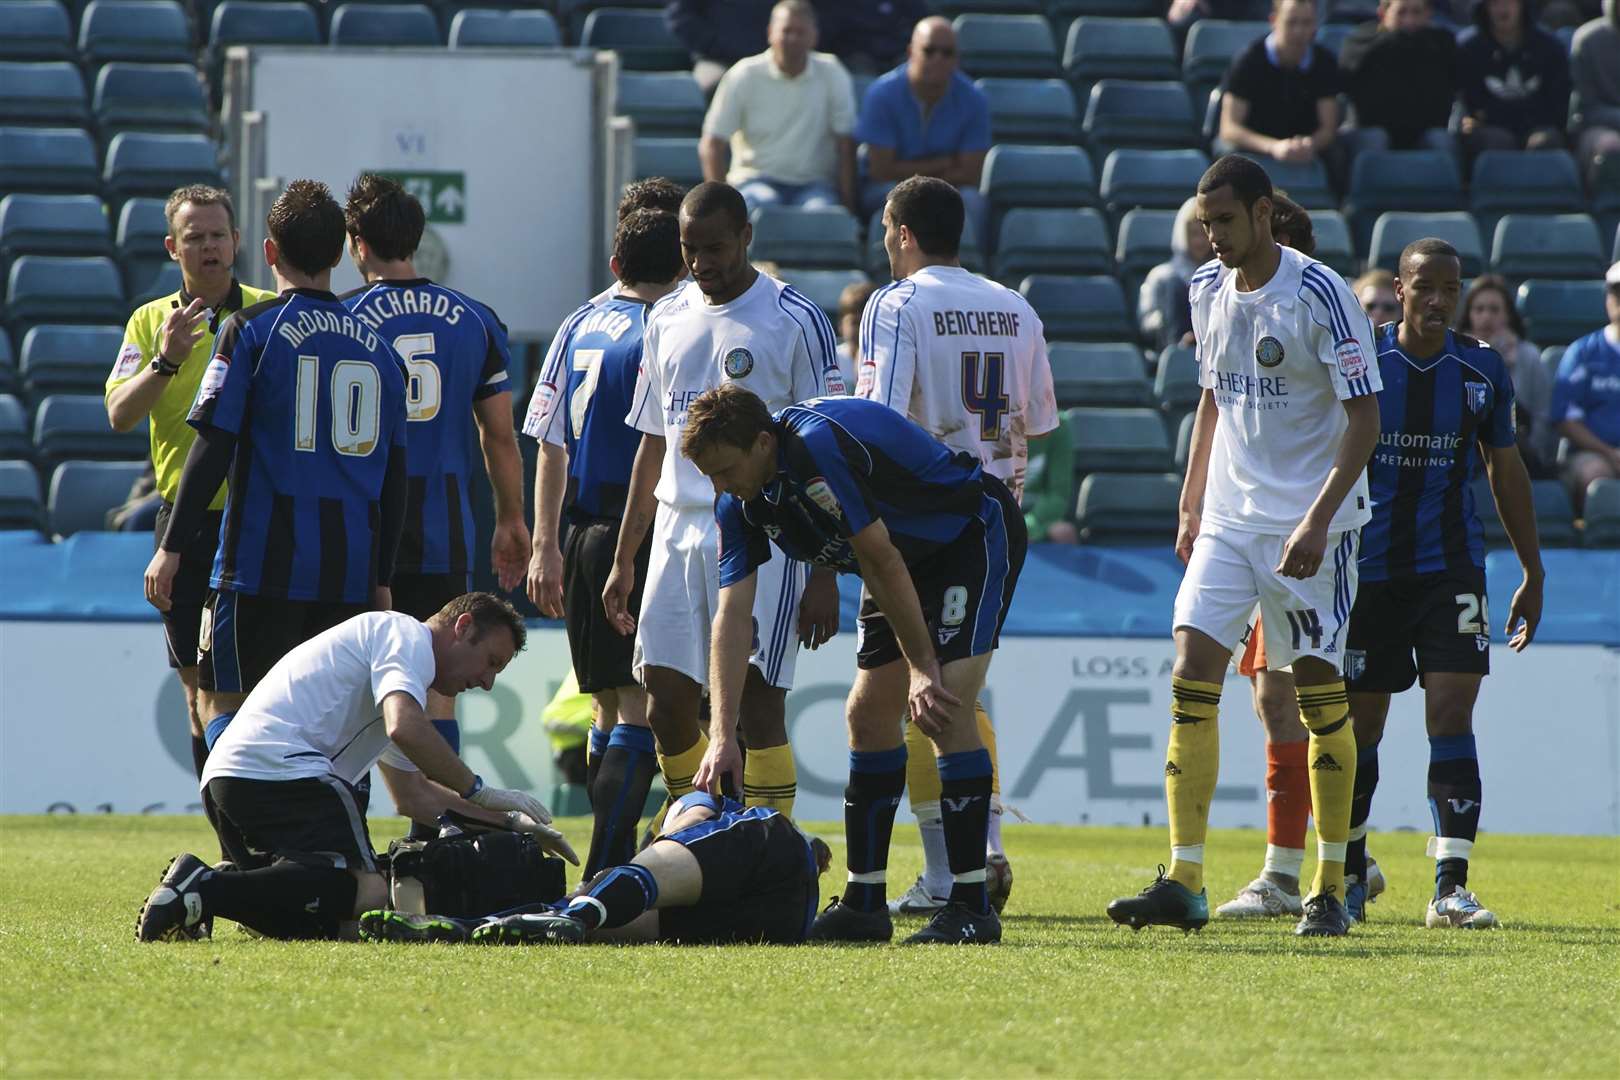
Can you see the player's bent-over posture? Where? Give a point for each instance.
(1420, 614)
(847, 484)
(281, 778)
(1275, 492)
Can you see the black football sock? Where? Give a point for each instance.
(964, 804)
(877, 779)
(199, 754)
(284, 900)
(1355, 853)
(615, 898)
(1454, 797)
(596, 745)
(623, 775)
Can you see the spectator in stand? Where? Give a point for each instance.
(1281, 95)
(1375, 292)
(1183, 13)
(1488, 314)
(1595, 63)
(718, 33)
(926, 118)
(869, 36)
(851, 305)
(1586, 400)
(1401, 74)
(1049, 489)
(780, 128)
(1515, 80)
(1162, 311)
(1291, 225)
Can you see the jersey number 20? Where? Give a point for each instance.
(356, 405)
(984, 391)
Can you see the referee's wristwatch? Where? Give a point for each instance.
(477, 786)
(160, 366)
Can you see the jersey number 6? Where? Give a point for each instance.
(984, 391)
(422, 390)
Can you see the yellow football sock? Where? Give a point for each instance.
(678, 769)
(922, 773)
(1190, 769)
(987, 735)
(770, 778)
(1325, 710)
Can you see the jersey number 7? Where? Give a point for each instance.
(984, 391)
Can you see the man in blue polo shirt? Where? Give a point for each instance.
(925, 118)
(1586, 399)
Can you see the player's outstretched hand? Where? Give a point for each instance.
(182, 329)
(722, 760)
(545, 580)
(160, 578)
(1302, 552)
(494, 798)
(928, 700)
(1186, 533)
(509, 552)
(1524, 614)
(818, 610)
(549, 839)
(621, 583)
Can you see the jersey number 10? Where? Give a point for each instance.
(984, 391)
(356, 404)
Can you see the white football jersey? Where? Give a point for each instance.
(966, 359)
(1280, 360)
(771, 339)
(318, 711)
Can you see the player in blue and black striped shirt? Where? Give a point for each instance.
(1420, 611)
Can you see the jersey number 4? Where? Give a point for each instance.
(984, 391)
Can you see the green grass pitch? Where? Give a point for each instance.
(1068, 994)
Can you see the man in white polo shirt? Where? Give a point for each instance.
(781, 126)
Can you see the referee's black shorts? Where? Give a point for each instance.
(601, 655)
(760, 882)
(183, 621)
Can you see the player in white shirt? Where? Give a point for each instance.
(281, 779)
(1271, 509)
(729, 323)
(965, 358)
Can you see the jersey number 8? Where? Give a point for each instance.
(356, 405)
(984, 391)
(422, 388)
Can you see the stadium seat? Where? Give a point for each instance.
(1306, 183)
(796, 236)
(151, 97)
(83, 491)
(154, 163)
(35, 30)
(1098, 373)
(1019, 46)
(823, 287)
(1333, 243)
(1558, 312)
(1104, 48)
(367, 25)
(20, 504)
(1175, 383)
(147, 279)
(47, 159)
(1407, 180)
(1212, 45)
(1075, 308)
(53, 288)
(263, 22)
(640, 38)
(68, 426)
(1144, 241)
(1602, 514)
(53, 225)
(1548, 246)
(676, 159)
(1038, 176)
(1118, 440)
(1606, 192)
(1140, 114)
(1551, 357)
(15, 442)
(475, 27)
(877, 258)
(141, 228)
(1050, 241)
(1159, 179)
(9, 382)
(1128, 508)
(1555, 517)
(48, 92)
(151, 31)
(61, 359)
(1331, 36)
(1393, 231)
(1031, 110)
(1505, 181)
(661, 102)
(1184, 441)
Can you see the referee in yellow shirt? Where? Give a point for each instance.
(167, 345)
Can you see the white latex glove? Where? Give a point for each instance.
(549, 839)
(494, 798)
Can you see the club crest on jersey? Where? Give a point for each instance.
(1476, 396)
(1355, 663)
(738, 362)
(819, 493)
(1268, 352)
(1352, 361)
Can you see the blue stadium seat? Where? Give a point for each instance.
(823, 287)
(1558, 312)
(1505, 181)
(1019, 46)
(1331, 36)
(1038, 176)
(1212, 44)
(1050, 241)
(53, 288)
(151, 97)
(41, 92)
(1105, 48)
(1175, 383)
(1334, 245)
(20, 504)
(1606, 192)
(62, 359)
(35, 30)
(1407, 180)
(1394, 230)
(640, 38)
(147, 279)
(68, 426)
(1139, 114)
(676, 159)
(1098, 373)
(1118, 440)
(53, 225)
(1128, 508)
(83, 491)
(47, 159)
(141, 228)
(367, 25)
(1555, 517)
(153, 163)
(262, 22)
(15, 442)
(1075, 308)
(970, 254)
(1548, 246)
(475, 27)
(9, 382)
(1161, 179)
(661, 102)
(795, 236)
(1144, 241)
(1306, 183)
(1031, 110)
(1602, 514)
(152, 31)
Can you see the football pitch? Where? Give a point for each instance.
(1068, 994)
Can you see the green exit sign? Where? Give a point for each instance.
(442, 194)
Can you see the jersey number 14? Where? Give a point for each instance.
(984, 391)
